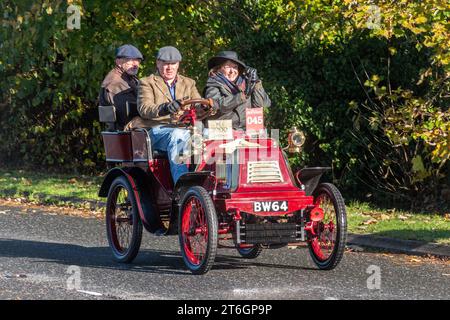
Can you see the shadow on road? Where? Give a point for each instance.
(149, 261)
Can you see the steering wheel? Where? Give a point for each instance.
(194, 110)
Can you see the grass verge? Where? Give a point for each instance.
(366, 219)
(54, 189)
(81, 192)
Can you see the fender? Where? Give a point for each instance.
(206, 179)
(309, 177)
(109, 178)
(137, 178)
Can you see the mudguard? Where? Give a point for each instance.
(205, 179)
(138, 179)
(310, 177)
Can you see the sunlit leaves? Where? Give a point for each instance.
(332, 68)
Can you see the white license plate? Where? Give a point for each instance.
(270, 206)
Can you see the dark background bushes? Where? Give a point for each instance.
(372, 101)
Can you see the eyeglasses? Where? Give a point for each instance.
(228, 67)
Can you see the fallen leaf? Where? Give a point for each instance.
(385, 216)
(415, 260)
(402, 217)
(370, 221)
(355, 248)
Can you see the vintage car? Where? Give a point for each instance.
(240, 190)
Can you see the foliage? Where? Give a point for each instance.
(50, 76)
(368, 82)
(406, 125)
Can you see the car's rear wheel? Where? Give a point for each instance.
(123, 224)
(250, 252)
(327, 241)
(198, 230)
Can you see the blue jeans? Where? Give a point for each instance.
(173, 141)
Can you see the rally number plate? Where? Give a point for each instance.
(270, 206)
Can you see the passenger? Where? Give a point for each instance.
(234, 87)
(159, 97)
(120, 84)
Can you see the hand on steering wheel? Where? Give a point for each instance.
(194, 110)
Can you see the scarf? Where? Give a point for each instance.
(132, 80)
(236, 86)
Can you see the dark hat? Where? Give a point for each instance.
(168, 54)
(223, 56)
(128, 51)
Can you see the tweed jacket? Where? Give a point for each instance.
(152, 92)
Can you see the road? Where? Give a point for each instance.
(44, 255)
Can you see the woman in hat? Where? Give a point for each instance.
(234, 87)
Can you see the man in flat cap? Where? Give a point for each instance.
(120, 84)
(159, 96)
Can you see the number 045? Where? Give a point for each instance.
(255, 120)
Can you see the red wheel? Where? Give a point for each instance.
(123, 225)
(327, 241)
(198, 230)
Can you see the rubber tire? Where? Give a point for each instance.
(339, 206)
(212, 224)
(250, 253)
(136, 238)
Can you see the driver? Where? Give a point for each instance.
(159, 97)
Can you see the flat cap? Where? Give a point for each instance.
(168, 54)
(128, 51)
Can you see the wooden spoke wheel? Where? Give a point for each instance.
(198, 230)
(327, 241)
(123, 224)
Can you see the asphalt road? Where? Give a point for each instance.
(48, 256)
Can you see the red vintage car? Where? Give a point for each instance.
(240, 189)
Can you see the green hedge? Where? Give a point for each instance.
(373, 100)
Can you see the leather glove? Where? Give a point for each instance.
(249, 87)
(170, 107)
(214, 107)
(251, 74)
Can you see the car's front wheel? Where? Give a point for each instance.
(326, 242)
(198, 230)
